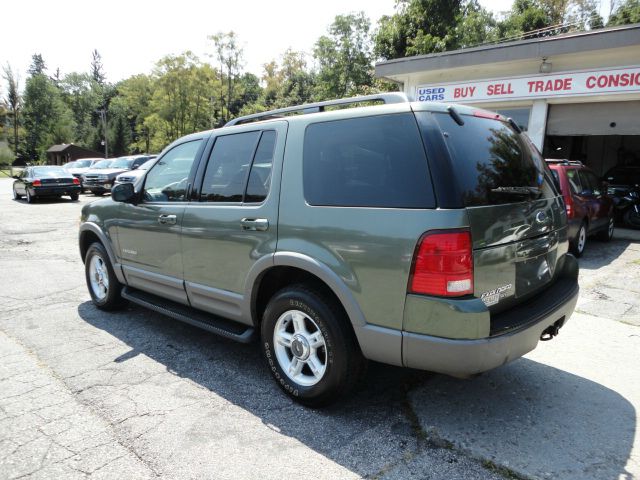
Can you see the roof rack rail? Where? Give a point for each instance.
(389, 97)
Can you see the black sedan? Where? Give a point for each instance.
(45, 181)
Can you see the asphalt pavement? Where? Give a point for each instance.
(134, 394)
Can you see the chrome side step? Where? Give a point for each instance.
(220, 326)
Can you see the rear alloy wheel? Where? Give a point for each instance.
(607, 234)
(581, 240)
(103, 284)
(74, 197)
(16, 195)
(30, 198)
(309, 346)
(631, 218)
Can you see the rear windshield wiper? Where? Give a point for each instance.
(517, 190)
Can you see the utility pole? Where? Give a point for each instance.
(103, 117)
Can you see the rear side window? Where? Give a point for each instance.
(492, 164)
(374, 161)
(574, 181)
(589, 182)
(228, 167)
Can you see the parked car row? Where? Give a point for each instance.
(95, 174)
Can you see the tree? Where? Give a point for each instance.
(47, 119)
(13, 103)
(83, 96)
(133, 99)
(344, 57)
(418, 27)
(627, 12)
(37, 66)
(97, 70)
(229, 55)
(525, 16)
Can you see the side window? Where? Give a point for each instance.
(574, 181)
(226, 176)
(376, 161)
(594, 183)
(167, 180)
(589, 182)
(260, 175)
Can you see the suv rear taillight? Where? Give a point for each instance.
(569, 210)
(443, 264)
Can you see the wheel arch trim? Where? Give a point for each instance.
(96, 230)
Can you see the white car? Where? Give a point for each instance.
(132, 176)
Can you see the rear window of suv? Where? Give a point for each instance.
(376, 161)
(493, 165)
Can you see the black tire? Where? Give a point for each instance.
(30, 198)
(631, 218)
(97, 193)
(16, 195)
(580, 242)
(74, 197)
(606, 234)
(340, 356)
(112, 300)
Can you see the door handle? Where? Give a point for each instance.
(167, 219)
(254, 224)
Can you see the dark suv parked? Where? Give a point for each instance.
(414, 234)
(589, 208)
(101, 177)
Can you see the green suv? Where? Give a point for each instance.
(414, 234)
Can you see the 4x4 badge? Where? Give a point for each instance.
(493, 296)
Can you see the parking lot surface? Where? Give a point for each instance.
(134, 394)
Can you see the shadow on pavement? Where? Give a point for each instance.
(536, 419)
(599, 254)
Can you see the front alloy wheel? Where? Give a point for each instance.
(103, 284)
(16, 195)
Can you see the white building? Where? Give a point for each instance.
(577, 95)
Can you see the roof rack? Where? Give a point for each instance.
(563, 161)
(389, 97)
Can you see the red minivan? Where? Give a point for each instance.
(589, 208)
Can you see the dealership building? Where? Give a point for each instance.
(577, 95)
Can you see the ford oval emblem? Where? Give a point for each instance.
(541, 217)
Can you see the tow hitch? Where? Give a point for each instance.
(552, 330)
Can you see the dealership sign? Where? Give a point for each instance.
(619, 80)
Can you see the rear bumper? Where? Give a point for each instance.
(53, 191)
(462, 358)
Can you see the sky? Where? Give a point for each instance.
(132, 35)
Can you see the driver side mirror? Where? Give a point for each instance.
(123, 192)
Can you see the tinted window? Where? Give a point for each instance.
(260, 175)
(493, 164)
(228, 167)
(574, 181)
(167, 180)
(589, 182)
(367, 162)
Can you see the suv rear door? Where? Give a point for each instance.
(232, 219)
(516, 216)
(591, 197)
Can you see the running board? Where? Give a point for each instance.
(212, 323)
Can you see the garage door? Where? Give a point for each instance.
(606, 118)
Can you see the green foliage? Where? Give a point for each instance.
(418, 27)
(628, 12)
(47, 119)
(12, 103)
(344, 57)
